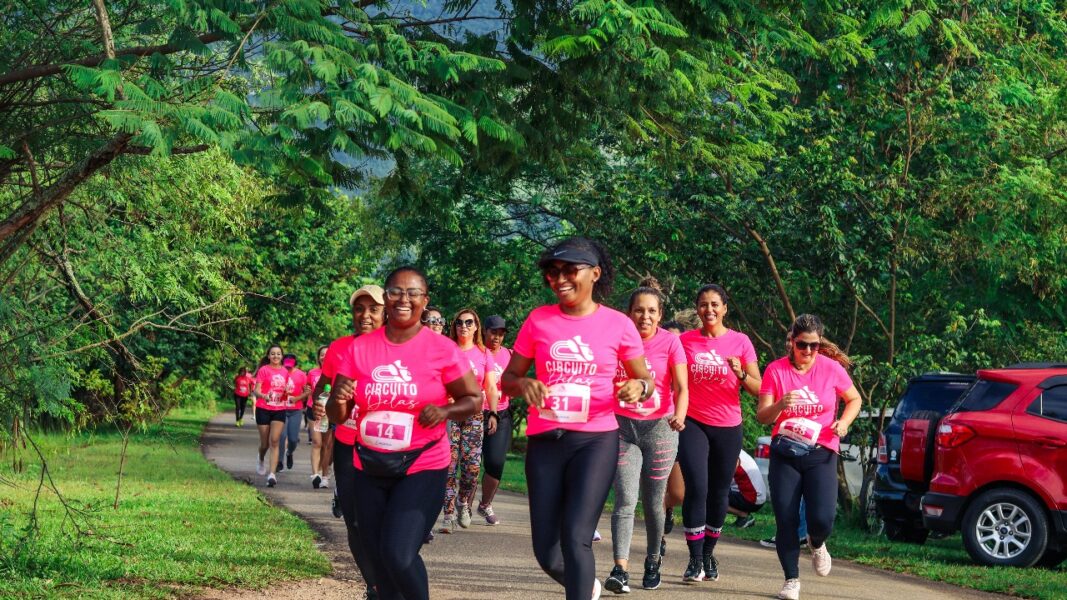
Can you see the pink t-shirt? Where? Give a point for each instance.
(242, 385)
(393, 384)
(662, 352)
(313, 379)
(500, 362)
(819, 389)
(272, 383)
(714, 390)
(346, 432)
(297, 380)
(481, 363)
(576, 358)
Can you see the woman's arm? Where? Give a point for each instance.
(749, 375)
(680, 387)
(492, 399)
(853, 403)
(517, 384)
(767, 410)
(633, 390)
(465, 395)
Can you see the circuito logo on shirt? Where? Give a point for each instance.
(808, 403)
(710, 358)
(394, 372)
(572, 349)
(277, 382)
(708, 366)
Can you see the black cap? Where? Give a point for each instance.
(571, 250)
(494, 322)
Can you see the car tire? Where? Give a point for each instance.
(899, 530)
(1005, 527)
(1052, 558)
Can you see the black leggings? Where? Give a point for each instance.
(342, 475)
(813, 477)
(568, 480)
(495, 446)
(240, 404)
(708, 456)
(396, 515)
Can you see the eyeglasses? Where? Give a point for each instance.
(435, 321)
(395, 293)
(800, 345)
(463, 323)
(570, 270)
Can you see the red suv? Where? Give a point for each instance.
(1000, 471)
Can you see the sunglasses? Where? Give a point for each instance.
(395, 293)
(569, 271)
(800, 345)
(435, 321)
(463, 323)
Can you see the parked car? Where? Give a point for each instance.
(1000, 470)
(928, 396)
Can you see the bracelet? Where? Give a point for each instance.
(744, 376)
(493, 413)
(644, 388)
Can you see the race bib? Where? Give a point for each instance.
(566, 403)
(644, 407)
(387, 430)
(800, 429)
(350, 422)
(276, 398)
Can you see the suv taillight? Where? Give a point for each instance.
(951, 435)
(763, 451)
(883, 454)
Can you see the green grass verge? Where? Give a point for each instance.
(181, 523)
(940, 560)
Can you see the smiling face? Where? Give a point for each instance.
(465, 326)
(646, 315)
(434, 320)
(274, 355)
(711, 309)
(367, 315)
(805, 346)
(572, 283)
(494, 338)
(405, 310)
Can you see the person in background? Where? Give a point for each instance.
(433, 318)
(496, 444)
(320, 468)
(242, 387)
(748, 491)
(272, 380)
(298, 393)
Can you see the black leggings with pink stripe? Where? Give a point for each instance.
(708, 457)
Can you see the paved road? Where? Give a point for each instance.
(497, 562)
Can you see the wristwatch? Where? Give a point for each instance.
(744, 376)
(644, 388)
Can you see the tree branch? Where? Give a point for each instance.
(765, 250)
(145, 150)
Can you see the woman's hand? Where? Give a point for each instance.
(630, 391)
(432, 416)
(735, 365)
(840, 428)
(533, 390)
(491, 421)
(677, 423)
(788, 400)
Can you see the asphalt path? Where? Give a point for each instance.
(498, 563)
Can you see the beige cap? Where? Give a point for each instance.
(375, 292)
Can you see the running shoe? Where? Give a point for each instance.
(711, 568)
(429, 537)
(272, 480)
(464, 516)
(790, 591)
(486, 510)
(596, 589)
(325, 482)
(694, 571)
(289, 461)
(239, 422)
(316, 481)
(280, 466)
(744, 522)
(668, 522)
(448, 525)
(770, 543)
(596, 535)
(335, 508)
(820, 559)
(261, 467)
(651, 579)
(618, 581)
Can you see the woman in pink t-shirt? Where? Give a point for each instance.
(648, 440)
(799, 395)
(465, 437)
(320, 469)
(242, 388)
(722, 362)
(272, 402)
(498, 440)
(398, 381)
(573, 446)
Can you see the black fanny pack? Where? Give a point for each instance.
(787, 447)
(389, 464)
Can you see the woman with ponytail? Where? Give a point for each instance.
(648, 439)
(799, 395)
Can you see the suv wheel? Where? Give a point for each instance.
(1005, 527)
(901, 530)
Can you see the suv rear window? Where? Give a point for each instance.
(985, 394)
(929, 395)
(1051, 404)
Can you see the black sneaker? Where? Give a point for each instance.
(280, 466)
(668, 522)
(289, 460)
(663, 546)
(695, 570)
(618, 581)
(335, 508)
(711, 568)
(744, 522)
(651, 579)
(316, 481)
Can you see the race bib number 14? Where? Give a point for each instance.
(387, 430)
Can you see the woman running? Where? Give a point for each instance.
(466, 437)
(573, 447)
(648, 440)
(433, 318)
(320, 469)
(242, 387)
(368, 315)
(497, 421)
(272, 403)
(402, 377)
(294, 415)
(799, 395)
(721, 362)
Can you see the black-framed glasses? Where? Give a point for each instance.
(463, 323)
(802, 345)
(395, 293)
(569, 270)
(435, 321)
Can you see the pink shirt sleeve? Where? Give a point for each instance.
(748, 353)
(524, 342)
(675, 353)
(841, 381)
(455, 367)
(630, 346)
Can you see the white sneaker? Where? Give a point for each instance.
(820, 559)
(464, 516)
(790, 590)
(261, 467)
(596, 535)
(325, 483)
(272, 480)
(448, 525)
(596, 589)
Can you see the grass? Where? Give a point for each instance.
(939, 560)
(181, 524)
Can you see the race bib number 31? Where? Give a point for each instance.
(387, 430)
(566, 403)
